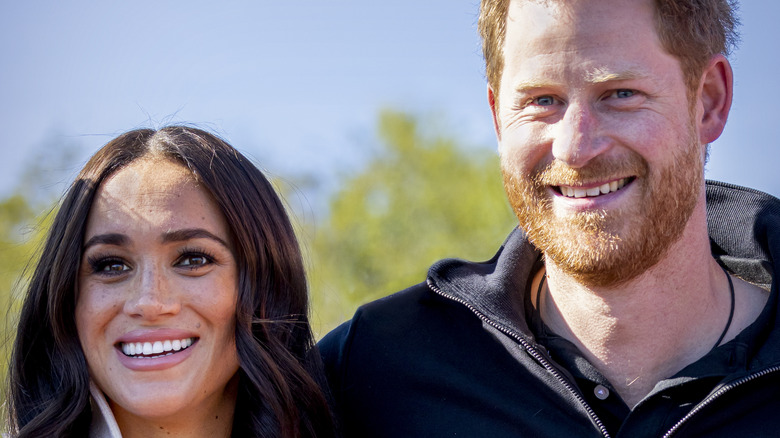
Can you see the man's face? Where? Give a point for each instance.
(599, 151)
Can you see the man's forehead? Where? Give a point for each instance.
(586, 3)
(594, 42)
(560, 25)
(565, 8)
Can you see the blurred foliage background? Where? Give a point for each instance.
(422, 197)
(25, 216)
(419, 197)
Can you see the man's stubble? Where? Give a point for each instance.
(609, 247)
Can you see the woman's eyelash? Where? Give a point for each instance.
(195, 251)
(99, 262)
(188, 252)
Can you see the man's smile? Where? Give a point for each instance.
(583, 192)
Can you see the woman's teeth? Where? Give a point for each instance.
(156, 348)
(579, 192)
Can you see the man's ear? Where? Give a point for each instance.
(494, 110)
(715, 94)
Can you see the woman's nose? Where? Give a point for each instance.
(153, 294)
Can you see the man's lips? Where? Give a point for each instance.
(590, 192)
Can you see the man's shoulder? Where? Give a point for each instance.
(418, 317)
(380, 308)
(387, 318)
(744, 229)
(409, 323)
(752, 200)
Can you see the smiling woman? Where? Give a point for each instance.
(170, 299)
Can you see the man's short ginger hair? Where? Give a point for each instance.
(693, 31)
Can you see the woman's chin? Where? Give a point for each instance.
(167, 401)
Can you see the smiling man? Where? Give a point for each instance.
(634, 299)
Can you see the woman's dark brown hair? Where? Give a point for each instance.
(279, 388)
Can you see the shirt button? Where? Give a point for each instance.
(601, 392)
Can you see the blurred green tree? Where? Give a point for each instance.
(16, 215)
(25, 217)
(421, 198)
(20, 237)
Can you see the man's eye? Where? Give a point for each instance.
(622, 94)
(544, 101)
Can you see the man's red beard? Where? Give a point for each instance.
(609, 247)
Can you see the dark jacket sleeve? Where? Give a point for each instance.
(334, 349)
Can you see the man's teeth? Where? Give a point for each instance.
(156, 348)
(579, 192)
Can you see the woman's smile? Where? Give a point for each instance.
(150, 350)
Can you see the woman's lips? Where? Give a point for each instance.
(155, 349)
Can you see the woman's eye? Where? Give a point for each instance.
(193, 260)
(109, 267)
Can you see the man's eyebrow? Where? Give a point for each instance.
(600, 76)
(526, 86)
(191, 233)
(596, 76)
(106, 239)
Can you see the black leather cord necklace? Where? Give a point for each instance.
(722, 335)
(731, 312)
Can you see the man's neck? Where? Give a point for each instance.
(647, 329)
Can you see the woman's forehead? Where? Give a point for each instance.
(153, 195)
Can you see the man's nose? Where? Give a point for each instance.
(578, 136)
(153, 294)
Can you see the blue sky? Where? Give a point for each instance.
(295, 85)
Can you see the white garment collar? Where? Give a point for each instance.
(103, 422)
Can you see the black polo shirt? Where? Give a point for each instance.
(693, 382)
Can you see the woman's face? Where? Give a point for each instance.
(156, 298)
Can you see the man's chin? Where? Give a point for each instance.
(593, 257)
(599, 272)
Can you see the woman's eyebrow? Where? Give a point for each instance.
(106, 239)
(191, 233)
